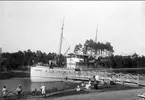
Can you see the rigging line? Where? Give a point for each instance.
(68, 46)
(67, 51)
(65, 41)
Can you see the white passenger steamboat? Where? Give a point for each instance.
(74, 69)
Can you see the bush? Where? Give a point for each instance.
(112, 83)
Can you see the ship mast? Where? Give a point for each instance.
(61, 37)
(96, 34)
(96, 37)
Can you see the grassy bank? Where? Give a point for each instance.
(71, 92)
(17, 74)
(111, 88)
(37, 94)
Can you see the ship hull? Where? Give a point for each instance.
(44, 79)
(43, 74)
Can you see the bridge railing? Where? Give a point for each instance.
(118, 77)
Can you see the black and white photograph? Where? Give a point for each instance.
(72, 50)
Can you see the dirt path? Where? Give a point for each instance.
(113, 95)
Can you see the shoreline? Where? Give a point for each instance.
(72, 92)
(36, 94)
(131, 94)
(16, 74)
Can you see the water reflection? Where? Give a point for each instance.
(27, 85)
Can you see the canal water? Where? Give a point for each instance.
(27, 85)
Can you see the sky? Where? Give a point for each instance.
(36, 25)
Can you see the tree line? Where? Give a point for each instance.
(119, 61)
(126, 64)
(22, 59)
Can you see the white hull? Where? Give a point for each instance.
(44, 79)
(44, 74)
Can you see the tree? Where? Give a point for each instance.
(77, 48)
(91, 45)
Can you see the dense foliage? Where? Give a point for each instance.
(119, 61)
(22, 59)
(93, 45)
